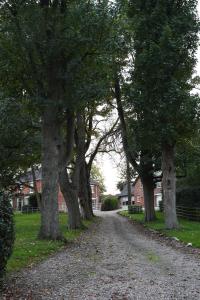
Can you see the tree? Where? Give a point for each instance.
(20, 142)
(122, 65)
(96, 174)
(53, 51)
(165, 41)
(6, 232)
(188, 162)
(137, 152)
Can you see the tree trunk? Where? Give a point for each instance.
(169, 186)
(36, 188)
(84, 193)
(128, 176)
(49, 206)
(70, 194)
(70, 187)
(148, 188)
(89, 189)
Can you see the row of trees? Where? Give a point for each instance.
(65, 65)
(51, 51)
(155, 104)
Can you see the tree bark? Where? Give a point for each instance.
(148, 188)
(145, 168)
(49, 205)
(89, 188)
(70, 194)
(70, 187)
(36, 188)
(128, 175)
(169, 186)
(83, 180)
(84, 193)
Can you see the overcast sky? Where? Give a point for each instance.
(110, 166)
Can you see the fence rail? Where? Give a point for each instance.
(192, 214)
(28, 210)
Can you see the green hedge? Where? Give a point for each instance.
(6, 233)
(110, 203)
(33, 200)
(188, 197)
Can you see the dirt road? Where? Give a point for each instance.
(113, 260)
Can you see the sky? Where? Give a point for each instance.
(110, 165)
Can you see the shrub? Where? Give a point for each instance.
(33, 200)
(188, 197)
(110, 203)
(161, 206)
(134, 209)
(6, 233)
(26, 209)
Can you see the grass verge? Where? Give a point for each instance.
(28, 249)
(189, 231)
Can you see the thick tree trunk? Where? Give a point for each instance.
(84, 193)
(70, 187)
(70, 194)
(49, 206)
(169, 186)
(148, 188)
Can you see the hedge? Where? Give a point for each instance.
(110, 203)
(188, 197)
(6, 233)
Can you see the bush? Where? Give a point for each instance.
(188, 197)
(110, 203)
(26, 209)
(33, 200)
(161, 206)
(6, 233)
(134, 209)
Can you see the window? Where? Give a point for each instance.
(93, 189)
(158, 185)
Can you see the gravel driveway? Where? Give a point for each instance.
(113, 260)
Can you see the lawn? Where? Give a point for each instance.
(28, 249)
(189, 231)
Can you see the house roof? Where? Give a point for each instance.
(38, 174)
(124, 191)
(28, 177)
(93, 182)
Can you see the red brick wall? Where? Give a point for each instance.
(139, 195)
(61, 202)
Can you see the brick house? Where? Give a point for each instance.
(22, 195)
(96, 200)
(139, 194)
(123, 196)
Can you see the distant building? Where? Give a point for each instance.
(96, 200)
(22, 195)
(123, 196)
(138, 194)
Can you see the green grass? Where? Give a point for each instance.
(152, 257)
(188, 232)
(28, 249)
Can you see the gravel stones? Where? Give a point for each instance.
(112, 260)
